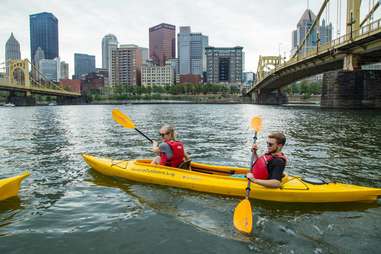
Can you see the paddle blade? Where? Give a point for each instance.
(122, 119)
(256, 123)
(243, 217)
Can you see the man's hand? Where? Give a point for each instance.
(251, 177)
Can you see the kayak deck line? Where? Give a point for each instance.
(219, 180)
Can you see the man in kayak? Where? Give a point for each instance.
(268, 168)
(170, 151)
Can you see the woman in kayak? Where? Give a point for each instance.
(170, 151)
(267, 169)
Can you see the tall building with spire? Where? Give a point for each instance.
(304, 25)
(12, 51)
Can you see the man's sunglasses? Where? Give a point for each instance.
(270, 144)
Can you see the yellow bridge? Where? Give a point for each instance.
(360, 45)
(18, 79)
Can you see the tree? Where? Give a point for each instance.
(315, 88)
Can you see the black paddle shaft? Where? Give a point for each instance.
(150, 140)
(251, 164)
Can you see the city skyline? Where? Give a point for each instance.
(241, 23)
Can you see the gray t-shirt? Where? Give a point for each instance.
(165, 148)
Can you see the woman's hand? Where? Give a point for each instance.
(155, 147)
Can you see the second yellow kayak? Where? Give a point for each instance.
(9, 187)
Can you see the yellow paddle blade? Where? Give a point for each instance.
(256, 123)
(122, 119)
(243, 217)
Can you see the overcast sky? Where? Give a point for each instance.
(260, 26)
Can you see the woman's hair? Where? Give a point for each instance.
(278, 136)
(169, 129)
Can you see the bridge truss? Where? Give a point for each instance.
(356, 30)
(15, 76)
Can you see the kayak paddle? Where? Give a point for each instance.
(126, 122)
(243, 216)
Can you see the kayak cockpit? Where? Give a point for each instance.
(202, 168)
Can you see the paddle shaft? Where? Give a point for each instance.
(251, 165)
(150, 140)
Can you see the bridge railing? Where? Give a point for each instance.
(361, 33)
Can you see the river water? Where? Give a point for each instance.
(65, 207)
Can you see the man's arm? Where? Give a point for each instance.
(254, 154)
(272, 183)
(275, 175)
(186, 156)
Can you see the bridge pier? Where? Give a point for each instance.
(26, 99)
(351, 89)
(276, 97)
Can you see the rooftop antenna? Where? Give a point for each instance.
(308, 4)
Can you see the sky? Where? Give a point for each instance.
(262, 27)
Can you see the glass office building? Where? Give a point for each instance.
(83, 64)
(44, 34)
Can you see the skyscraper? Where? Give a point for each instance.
(144, 52)
(191, 51)
(126, 65)
(107, 41)
(162, 43)
(44, 34)
(39, 55)
(325, 32)
(64, 70)
(50, 69)
(224, 65)
(12, 51)
(83, 64)
(303, 26)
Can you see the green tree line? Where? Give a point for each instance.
(304, 88)
(155, 92)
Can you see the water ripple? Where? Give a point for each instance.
(63, 196)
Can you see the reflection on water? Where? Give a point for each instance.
(64, 197)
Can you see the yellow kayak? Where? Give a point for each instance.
(221, 180)
(9, 187)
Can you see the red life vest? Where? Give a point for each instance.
(177, 148)
(259, 168)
